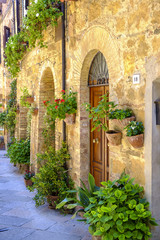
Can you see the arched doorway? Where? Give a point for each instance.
(46, 92)
(98, 83)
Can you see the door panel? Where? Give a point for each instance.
(98, 143)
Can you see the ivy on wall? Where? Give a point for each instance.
(8, 117)
(40, 14)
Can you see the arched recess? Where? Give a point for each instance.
(96, 39)
(46, 92)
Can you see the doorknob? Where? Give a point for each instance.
(95, 140)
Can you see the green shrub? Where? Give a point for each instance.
(52, 178)
(19, 152)
(119, 211)
(134, 128)
(120, 114)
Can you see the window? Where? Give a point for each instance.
(98, 74)
(26, 4)
(6, 35)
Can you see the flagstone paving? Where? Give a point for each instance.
(22, 220)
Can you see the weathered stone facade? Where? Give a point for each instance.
(127, 33)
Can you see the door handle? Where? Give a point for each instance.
(96, 140)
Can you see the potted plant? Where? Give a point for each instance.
(19, 154)
(121, 117)
(119, 211)
(99, 116)
(63, 108)
(26, 99)
(52, 179)
(27, 178)
(83, 194)
(135, 134)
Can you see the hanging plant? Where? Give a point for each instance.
(40, 14)
(14, 52)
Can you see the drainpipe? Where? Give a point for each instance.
(13, 17)
(17, 10)
(63, 60)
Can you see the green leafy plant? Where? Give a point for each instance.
(24, 97)
(59, 108)
(28, 175)
(120, 114)
(52, 178)
(134, 128)
(3, 118)
(83, 196)
(119, 211)
(40, 14)
(8, 117)
(19, 151)
(14, 52)
(100, 113)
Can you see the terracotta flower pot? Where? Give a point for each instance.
(124, 122)
(51, 200)
(28, 182)
(136, 141)
(30, 99)
(70, 118)
(96, 238)
(35, 111)
(114, 137)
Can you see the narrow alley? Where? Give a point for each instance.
(20, 219)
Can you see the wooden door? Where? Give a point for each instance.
(99, 161)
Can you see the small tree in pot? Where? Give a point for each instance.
(52, 180)
(99, 116)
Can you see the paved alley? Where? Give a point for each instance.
(22, 220)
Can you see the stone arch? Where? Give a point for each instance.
(95, 39)
(46, 91)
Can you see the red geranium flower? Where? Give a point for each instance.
(57, 100)
(62, 100)
(63, 91)
(46, 102)
(56, 107)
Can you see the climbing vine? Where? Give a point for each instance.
(8, 117)
(40, 14)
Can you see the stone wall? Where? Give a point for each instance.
(128, 34)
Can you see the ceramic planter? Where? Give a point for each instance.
(30, 99)
(70, 118)
(51, 200)
(124, 122)
(114, 137)
(136, 141)
(28, 182)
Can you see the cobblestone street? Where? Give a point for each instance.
(22, 220)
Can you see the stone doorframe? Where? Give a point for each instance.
(152, 139)
(95, 39)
